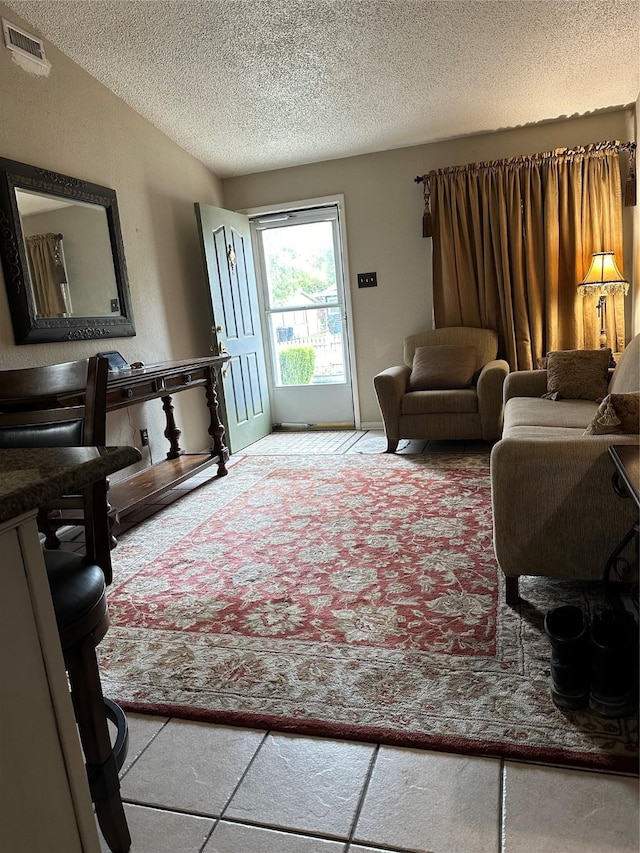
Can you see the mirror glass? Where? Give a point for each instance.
(62, 257)
(71, 240)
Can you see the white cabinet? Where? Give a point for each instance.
(45, 805)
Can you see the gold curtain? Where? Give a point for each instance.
(48, 274)
(513, 239)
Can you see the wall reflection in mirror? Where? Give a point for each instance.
(62, 257)
(69, 256)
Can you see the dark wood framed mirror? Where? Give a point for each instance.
(62, 257)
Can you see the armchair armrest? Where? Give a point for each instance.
(390, 386)
(490, 405)
(525, 383)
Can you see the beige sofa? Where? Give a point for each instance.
(473, 412)
(555, 513)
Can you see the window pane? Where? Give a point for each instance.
(307, 346)
(300, 264)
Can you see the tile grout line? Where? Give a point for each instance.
(244, 774)
(216, 822)
(285, 830)
(363, 794)
(174, 810)
(145, 748)
(502, 794)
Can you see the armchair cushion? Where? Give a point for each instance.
(462, 400)
(438, 368)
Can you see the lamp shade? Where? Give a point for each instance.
(603, 276)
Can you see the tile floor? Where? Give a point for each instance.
(201, 788)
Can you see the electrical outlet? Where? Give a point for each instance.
(115, 306)
(144, 437)
(367, 279)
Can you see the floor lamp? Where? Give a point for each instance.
(603, 279)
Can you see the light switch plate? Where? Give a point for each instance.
(367, 279)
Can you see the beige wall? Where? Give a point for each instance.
(70, 123)
(384, 220)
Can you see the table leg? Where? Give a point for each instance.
(216, 430)
(619, 564)
(171, 432)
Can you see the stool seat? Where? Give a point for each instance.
(79, 596)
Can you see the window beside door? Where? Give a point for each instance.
(303, 304)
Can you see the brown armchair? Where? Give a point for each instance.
(469, 406)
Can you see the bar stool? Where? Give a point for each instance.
(33, 414)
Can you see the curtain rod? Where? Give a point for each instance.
(558, 152)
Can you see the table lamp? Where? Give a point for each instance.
(603, 279)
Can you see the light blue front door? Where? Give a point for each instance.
(226, 243)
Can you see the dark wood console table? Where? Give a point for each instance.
(160, 381)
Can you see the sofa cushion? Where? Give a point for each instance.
(537, 412)
(462, 401)
(578, 374)
(442, 367)
(528, 433)
(617, 413)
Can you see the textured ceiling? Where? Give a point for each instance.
(251, 85)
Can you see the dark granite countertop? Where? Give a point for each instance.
(30, 477)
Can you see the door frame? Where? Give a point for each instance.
(323, 201)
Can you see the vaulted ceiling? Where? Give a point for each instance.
(252, 85)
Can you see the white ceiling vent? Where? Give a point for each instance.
(28, 50)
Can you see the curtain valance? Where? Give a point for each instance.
(593, 150)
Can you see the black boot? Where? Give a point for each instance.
(567, 630)
(614, 671)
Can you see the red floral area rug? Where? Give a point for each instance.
(352, 596)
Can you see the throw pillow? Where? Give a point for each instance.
(441, 368)
(617, 413)
(579, 374)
